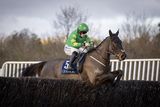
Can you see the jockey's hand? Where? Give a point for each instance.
(86, 44)
(92, 44)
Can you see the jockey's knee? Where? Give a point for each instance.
(76, 53)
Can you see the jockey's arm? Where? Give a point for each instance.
(74, 43)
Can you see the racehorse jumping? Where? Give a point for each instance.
(95, 68)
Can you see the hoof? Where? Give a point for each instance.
(116, 80)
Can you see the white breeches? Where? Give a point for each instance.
(69, 50)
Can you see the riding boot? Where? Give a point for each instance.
(72, 59)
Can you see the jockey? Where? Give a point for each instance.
(76, 43)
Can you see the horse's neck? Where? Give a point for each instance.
(103, 48)
(104, 42)
(101, 52)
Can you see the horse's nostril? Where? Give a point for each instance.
(123, 56)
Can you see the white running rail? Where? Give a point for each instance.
(138, 69)
(134, 69)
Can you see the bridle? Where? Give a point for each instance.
(114, 53)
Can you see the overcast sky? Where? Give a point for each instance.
(38, 15)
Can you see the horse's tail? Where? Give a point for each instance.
(33, 69)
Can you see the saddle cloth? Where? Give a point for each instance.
(77, 65)
(65, 68)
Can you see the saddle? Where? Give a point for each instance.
(77, 65)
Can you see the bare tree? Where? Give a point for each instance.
(140, 37)
(68, 18)
(136, 25)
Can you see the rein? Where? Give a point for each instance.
(101, 57)
(98, 61)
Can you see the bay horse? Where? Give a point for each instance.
(96, 66)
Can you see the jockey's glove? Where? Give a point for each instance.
(92, 44)
(86, 44)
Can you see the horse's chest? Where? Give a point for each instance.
(98, 71)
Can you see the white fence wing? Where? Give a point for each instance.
(138, 69)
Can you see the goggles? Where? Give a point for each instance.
(83, 32)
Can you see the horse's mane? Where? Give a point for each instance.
(93, 49)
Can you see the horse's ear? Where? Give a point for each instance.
(110, 32)
(117, 32)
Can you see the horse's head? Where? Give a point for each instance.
(116, 46)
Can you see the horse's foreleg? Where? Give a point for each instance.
(117, 74)
(109, 77)
(105, 77)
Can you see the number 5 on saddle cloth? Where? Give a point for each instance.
(77, 65)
